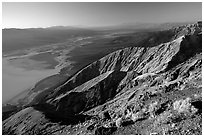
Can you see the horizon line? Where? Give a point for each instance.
(83, 26)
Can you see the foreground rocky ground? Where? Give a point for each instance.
(137, 90)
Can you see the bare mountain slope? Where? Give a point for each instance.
(137, 90)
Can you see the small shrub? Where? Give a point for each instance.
(152, 108)
(135, 117)
(118, 122)
(164, 117)
(184, 106)
(128, 115)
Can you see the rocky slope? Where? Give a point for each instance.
(137, 90)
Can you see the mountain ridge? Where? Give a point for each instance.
(121, 88)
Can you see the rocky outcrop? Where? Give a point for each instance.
(138, 85)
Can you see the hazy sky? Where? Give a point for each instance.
(23, 15)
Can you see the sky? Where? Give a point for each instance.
(39, 14)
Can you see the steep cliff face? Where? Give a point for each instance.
(90, 94)
(124, 84)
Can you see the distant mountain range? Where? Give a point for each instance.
(16, 39)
